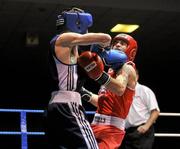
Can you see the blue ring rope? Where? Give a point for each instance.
(23, 125)
(19, 133)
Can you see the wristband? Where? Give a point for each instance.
(104, 79)
(85, 94)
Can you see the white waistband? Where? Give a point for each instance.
(65, 96)
(101, 119)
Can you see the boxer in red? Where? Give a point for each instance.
(116, 93)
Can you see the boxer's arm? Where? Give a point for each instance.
(71, 39)
(94, 99)
(67, 41)
(92, 64)
(94, 67)
(98, 48)
(126, 77)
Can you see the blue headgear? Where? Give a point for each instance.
(75, 20)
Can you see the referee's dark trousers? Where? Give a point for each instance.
(135, 140)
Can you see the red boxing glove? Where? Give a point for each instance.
(92, 64)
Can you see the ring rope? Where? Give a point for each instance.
(23, 125)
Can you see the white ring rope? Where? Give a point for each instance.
(167, 134)
(169, 114)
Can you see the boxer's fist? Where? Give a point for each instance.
(92, 64)
(115, 59)
(111, 58)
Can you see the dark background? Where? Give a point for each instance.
(25, 79)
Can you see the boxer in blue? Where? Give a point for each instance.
(66, 121)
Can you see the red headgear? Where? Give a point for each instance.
(132, 45)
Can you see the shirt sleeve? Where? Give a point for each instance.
(151, 100)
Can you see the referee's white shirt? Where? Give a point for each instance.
(143, 103)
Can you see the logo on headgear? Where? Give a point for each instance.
(60, 20)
